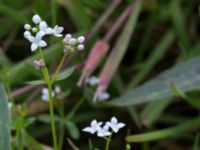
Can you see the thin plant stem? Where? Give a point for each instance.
(59, 67)
(52, 115)
(108, 142)
(51, 109)
(62, 126)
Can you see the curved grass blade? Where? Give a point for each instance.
(4, 121)
(164, 133)
(160, 87)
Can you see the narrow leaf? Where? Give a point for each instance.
(4, 121)
(160, 87)
(164, 133)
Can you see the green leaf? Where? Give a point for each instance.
(72, 129)
(65, 74)
(177, 130)
(160, 87)
(47, 119)
(196, 143)
(78, 14)
(31, 143)
(29, 121)
(4, 121)
(35, 82)
(153, 111)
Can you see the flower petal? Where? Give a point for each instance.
(114, 120)
(42, 43)
(89, 129)
(120, 125)
(34, 46)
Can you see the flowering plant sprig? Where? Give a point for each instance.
(35, 35)
(104, 131)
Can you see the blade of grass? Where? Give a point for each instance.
(153, 111)
(78, 14)
(177, 18)
(4, 121)
(196, 143)
(119, 50)
(13, 14)
(157, 55)
(177, 130)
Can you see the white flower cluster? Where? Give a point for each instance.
(93, 81)
(40, 30)
(95, 127)
(45, 93)
(72, 44)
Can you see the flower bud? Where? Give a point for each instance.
(81, 39)
(27, 34)
(80, 47)
(27, 27)
(39, 64)
(36, 19)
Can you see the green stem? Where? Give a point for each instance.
(52, 116)
(45, 70)
(58, 69)
(62, 125)
(49, 84)
(108, 142)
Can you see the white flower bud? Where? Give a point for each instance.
(81, 39)
(27, 27)
(34, 30)
(27, 34)
(68, 36)
(80, 47)
(72, 41)
(36, 19)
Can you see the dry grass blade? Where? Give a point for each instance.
(118, 51)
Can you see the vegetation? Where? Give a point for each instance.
(139, 69)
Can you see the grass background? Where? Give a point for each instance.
(157, 36)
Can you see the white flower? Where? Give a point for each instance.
(9, 105)
(72, 41)
(34, 29)
(115, 125)
(27, 34)
(81, 39)
(80, 47)
(45, 94)
(67, 37)
(37, 41)
(44, 27)
(94, 127)
(103, 132)
(57, 89)
(103, 96)
(36, 19)
(92, 81)
(57, 31)
(27, 27)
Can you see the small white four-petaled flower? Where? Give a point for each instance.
(45, 94)
(92, 81)
(103, 96)
(94, 127)
(37, 41)
(115, 125)
(103, 132)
